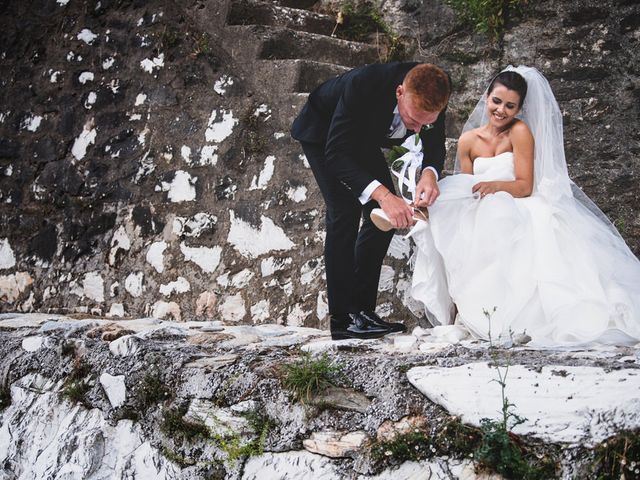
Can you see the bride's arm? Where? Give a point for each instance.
(523, 145)
(464, 152)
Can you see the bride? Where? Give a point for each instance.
(512, 243)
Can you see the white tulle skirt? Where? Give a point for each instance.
(514, 265)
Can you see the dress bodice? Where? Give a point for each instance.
(498, 167)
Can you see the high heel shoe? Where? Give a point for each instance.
(380, 219)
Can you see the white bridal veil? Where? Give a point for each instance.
(551, 178)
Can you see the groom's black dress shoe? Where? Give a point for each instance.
(354, 325)
(373, 318)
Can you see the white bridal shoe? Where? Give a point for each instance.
(380, 219)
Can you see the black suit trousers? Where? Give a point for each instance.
(353, 251)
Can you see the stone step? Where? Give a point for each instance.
(246, 43)
(294, 76)
(255, 12)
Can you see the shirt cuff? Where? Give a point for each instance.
(435, 172)
(365, 196)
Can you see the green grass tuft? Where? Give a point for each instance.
(486, 16)
(309, 376)
(618, 457)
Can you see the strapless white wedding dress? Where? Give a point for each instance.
(514, 265)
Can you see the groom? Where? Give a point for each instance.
(341, 129)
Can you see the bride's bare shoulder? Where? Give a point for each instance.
(520, 129)
(468, 137)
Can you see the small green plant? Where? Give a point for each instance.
(77, 385)
(500, 450)
(618, 457)
(453, 438)
(361, 20)
(486, 16)
(176, 426)
(151, 390)
(309, 376)
(236, 448)
(176, 458)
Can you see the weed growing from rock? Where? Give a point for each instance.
(77, 385)
(618, 457)
(175, 425)
(151, 390)
(309, 376)
(501, 450)
(486, 16)
(454, 439)
(361, 20)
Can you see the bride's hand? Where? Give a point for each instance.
(485, 188)
(427, 189)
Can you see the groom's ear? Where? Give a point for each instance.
(399, 91)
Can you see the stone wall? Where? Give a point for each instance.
(146, 167)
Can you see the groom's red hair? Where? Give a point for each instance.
(430, 84)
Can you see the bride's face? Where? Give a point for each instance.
(502, 105)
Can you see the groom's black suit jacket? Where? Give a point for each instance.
(351, 114)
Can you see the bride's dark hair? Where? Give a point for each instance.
(513, 81)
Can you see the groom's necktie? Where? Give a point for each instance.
(397, 128)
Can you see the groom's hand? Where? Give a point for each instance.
(399, 212)
(427, 189)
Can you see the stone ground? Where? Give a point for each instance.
(97, 398)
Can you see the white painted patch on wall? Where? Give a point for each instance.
(11, 286)
(322, 307)
(155, 255)
(220, 86)
(87, 137)
(87, 36)
(133, 284)
(297, 194)
(8, 171)
(232, 308)
(400, 247)
(93, 286)
(185, 152)
(166, 310)
(208, 155)
(193, 226)
(296, 316)
(91, 100)
(218, 131)
(142, 136)
(387, 274)
(182, 188)
(251, 242)
(304, 160)
(149, 65)
(7, 258)
(270, 265)
(279, 135)
(242, 278)
(181, 285)
(116, 310)
(206, 258)
(54, 76)
(260, 311)
(223, 280)
(108, 63)
(31, 123)
(140, 99)
(119, 241)
(86, 77)
(62, 2)
(310, 270)
(261, 182)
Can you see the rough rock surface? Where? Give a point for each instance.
(145, 162)
(180, 400)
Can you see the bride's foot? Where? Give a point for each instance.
(381, 220)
